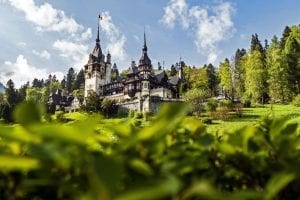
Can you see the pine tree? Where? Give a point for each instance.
(292, 53)
(239, 73)
(21, 93)
(11, 93)
(49, 80)
(63, 83)
(213, 80)
(79, 81)
(70, 80)
(255, 44)
(285, 35)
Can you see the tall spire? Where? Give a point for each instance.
(97, 39)
(97, 52)
(145, 60)
(145, 42)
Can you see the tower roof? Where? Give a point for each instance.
(145, 60)
(97, 51)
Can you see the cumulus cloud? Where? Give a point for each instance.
(87, 34)
(116, 40)
(76, 53)
(73, 36)
(176, 10)
(21, 72)
(43, 54)
(45, 17)
(210, 25)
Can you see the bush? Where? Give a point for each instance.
(222, 113)
(212, 105)
(296, 101)
(226, 103)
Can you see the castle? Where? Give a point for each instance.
(142, 88)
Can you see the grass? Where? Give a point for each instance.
(253, 115)
(249, 116)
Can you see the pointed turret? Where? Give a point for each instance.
(145, 43)
(108, 57)
(145, 60)
(180, 71)
(97, 52)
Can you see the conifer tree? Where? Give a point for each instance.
(70, 80)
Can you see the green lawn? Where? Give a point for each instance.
(252, 115)
(249, 116)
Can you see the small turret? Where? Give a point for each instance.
(108, 57)
(180, 71)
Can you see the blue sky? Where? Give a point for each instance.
(39, 37)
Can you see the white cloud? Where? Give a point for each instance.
(76, 53)
(87, 34)
(45, 17)
(21, 72)
(43, 54)
(116, 40)
(210, 25)
(176, 10)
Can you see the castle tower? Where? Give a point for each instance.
(180, 72)
(96, 70)
(145, 70)
(108, 68)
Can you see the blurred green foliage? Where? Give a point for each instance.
(172, 158)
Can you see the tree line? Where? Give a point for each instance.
(268, 72)
(40, 90)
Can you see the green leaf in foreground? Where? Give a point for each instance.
(28, 113)
(12, 163)
(277, 183)
(159, 190)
